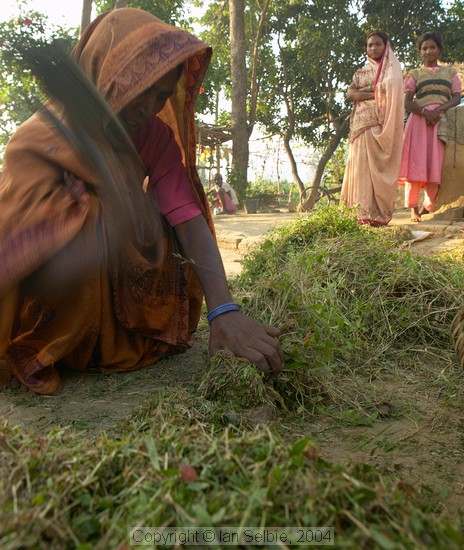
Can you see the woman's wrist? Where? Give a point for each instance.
(220, 310)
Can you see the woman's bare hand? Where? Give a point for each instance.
(247, 338)
(359, 94)
(432, 117)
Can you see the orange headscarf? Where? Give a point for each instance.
(56, 230)
(124, 52)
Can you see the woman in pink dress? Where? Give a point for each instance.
(429, 92)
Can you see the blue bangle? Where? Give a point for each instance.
(222, 309)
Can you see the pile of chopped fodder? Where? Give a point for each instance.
(168, 468)
(353, 305)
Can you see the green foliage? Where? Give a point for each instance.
(347, 297)
(215, 23)
(20, 93)
(289, 187)
(452, 30)
(169, 11)
(404, 22)
(224, 119)
(312, 67)
(335, 168)
(208, 99)
(263, 190)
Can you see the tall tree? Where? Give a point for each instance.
(237, 30)
(239, 94)
(86, 14)
(319, 45)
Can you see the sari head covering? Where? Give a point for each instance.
(382, 77)
(73, 290)
(376, 128)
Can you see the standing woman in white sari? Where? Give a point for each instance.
(376, 128)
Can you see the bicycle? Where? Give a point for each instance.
(321, 195)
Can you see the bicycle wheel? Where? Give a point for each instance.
(334, 193)
(315, 197)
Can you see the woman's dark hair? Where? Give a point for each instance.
(431, 35)
(179, 68)
(382, 35)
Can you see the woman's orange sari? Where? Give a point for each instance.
(75, 291)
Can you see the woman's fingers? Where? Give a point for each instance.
(271, 330)
(247, 338)
(267, 358)
(274, 333)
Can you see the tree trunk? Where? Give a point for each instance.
(219, 144)
(307, 203)
(290, 130)
(240, 148)
(86, 14)
(288, 135)
(254, 87)
(121, 4)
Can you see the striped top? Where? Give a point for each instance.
(433, 86)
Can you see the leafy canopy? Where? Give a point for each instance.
(20, 92)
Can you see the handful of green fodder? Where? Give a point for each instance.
(233, 381)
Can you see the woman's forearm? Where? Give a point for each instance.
(232, 330)
(455, 100)
(412, 107)
(359, 94)
(199, 246)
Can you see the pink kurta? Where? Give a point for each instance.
(162, 157)
(423, 151)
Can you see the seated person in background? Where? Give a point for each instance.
(225, 198)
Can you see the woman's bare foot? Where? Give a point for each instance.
(423, 211)
(415, 215)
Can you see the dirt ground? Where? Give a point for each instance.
(424, 446)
